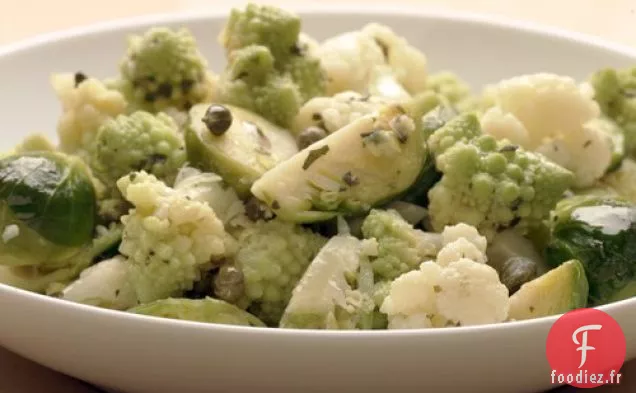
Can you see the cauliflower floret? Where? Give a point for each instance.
(463, 291)
(163, 68)
(86, 104)
(333, 113)
(373, 60)
(470, 293)
(553, 115)
(412, 299)
(168, 239)
(466, 232)
(408, 64)
(140, 141)
(459, 249)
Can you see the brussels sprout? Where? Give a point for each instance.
(560, 290)
(206, 310)
(48, 208)
(238, 145)
(369, 162)
(601, 233)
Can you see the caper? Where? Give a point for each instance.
(218, 119)
(228, 283)
(309, 136)
(517, 271)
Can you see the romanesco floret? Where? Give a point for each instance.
(273, 255)
(164, 68)
(401, 248)
(273, 27)
(554, 116)
(136, 142)
(250, 81)
(615, 92)
(271, 66)
(169, 240)
(86, 104)
(490, 184)
(455, 291)
(455, 90)
(333, 113)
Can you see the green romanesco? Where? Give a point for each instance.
(455, 90)
(251, 82)
(136, 142)
(86, 104)
(163, 68)
(273, 27)
(169, 240)
(490, 184)
(272, 256)
(615, 92)
(401, 248)
(271, 67)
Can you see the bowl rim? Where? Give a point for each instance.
(459, 17)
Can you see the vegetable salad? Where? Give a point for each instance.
(324, 185)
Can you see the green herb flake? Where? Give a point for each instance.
(314, 155)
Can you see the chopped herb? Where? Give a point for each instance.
(515, 221)
(79, 78)
(256, 210)
(508, 148)
(217, 119)
(314, 155)
(383, 47)
(365, 98)
(366, 134)
(350, 179)
(116, 292)
(629, 92)
(531, 308)
(186, 85)
(316, 116)
(587, 143)
(150, 97)
(165, 90)
(437, 288)
(275, 205)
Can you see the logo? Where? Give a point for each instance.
(586, 348)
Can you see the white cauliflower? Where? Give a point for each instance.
(457, 289)
(555, 116)
(105, 284)
(169, 240)
(372, 60)
(85, 106)
(470, 293)
(408, 64)
(412, 301)
(333, 113)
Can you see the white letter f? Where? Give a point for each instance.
(584, 347)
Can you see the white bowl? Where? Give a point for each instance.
(141, 354)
